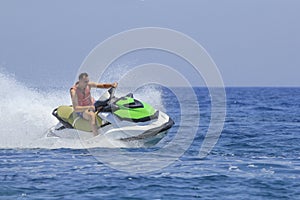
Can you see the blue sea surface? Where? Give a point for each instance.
(256, 157)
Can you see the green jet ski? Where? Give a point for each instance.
(124, 119)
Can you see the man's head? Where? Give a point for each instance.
(83, 79)
(82, 75)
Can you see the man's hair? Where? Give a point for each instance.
(82, 75)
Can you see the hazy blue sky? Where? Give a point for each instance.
(253, 42)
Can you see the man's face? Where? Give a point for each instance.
(84, 81)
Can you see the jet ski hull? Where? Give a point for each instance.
(126, 134)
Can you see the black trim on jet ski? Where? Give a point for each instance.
(151, 132)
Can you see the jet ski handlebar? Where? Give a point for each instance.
(104, 102)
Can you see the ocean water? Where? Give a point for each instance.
(256, 157)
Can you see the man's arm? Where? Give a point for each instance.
(76, 107)
(103, 85)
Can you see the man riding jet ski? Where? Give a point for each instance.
(125, 119)
(83, 102)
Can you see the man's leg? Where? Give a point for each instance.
(91, 117)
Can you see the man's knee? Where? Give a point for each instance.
(91, 116)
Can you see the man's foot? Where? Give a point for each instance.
(95, 133)
(95, 130)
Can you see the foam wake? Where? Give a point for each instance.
(25, 112)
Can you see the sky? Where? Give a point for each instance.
(252, 42)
